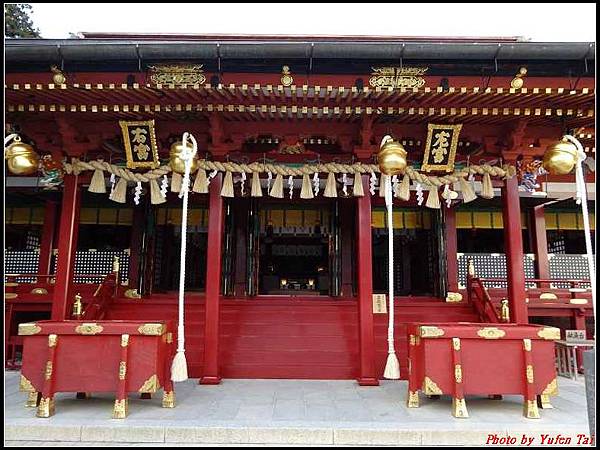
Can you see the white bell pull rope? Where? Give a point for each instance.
(179, 366)
(392, 366)
(582, 198)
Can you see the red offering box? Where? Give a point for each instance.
(103, 356)
(461, 359)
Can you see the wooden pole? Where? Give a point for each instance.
(213, 283)
(513, 247)
(48, 230)
(451, 248)
(367, 376)
(540, 242)
(67, 244)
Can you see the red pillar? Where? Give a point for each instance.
(213, 283)
(513, 247)
(540, 242)
(138, 226)
(451, 248)
(67, 244)
(367, 376)
(47, 238)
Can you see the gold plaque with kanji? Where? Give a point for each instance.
(440, 149)
(140, 144)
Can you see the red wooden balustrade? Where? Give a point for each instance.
(481, 301)
(97, 308)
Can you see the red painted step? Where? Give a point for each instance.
(297, 339)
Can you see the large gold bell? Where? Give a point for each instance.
(175, 160)
(560, 157)
(391, 157)
(21, 158)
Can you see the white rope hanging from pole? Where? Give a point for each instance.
(179, 366)
(582, 198)
(392, 366)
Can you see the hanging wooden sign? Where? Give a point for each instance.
(140, 144)
(440, 149)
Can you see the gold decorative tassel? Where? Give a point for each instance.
(467, 190)
(200, 183)
(120, 192)
(306, 191)
(330, 188)
(98, 185)
(433, 199)
(227, 189)
(156, 197)
(487, 190)
(357, 188)
(256, 190)
(403, 190)
(383, 181)
(176, 180)
(277, 188)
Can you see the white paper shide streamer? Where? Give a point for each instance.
(372, 183)
(179, 367)
(164, 184)
(138, 193)
(316, 183)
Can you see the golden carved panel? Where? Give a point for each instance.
(430, 388)
(152, 329)
(151, 385)
(491, 333)
(549, 333)
(89, 329)
(430, 331)
(28, 329)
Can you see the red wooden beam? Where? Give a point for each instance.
(50, 213)
(213, 283)
(67, 244)
(513, 247)
(366, 376)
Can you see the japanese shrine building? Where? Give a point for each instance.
(286, 242)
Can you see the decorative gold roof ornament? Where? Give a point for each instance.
(177, 74)
(59, 76)
(517, 81)
(286, 77)
(398, 77)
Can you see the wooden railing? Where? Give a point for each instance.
(478, 296)
(96, 308)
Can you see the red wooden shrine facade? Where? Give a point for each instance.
(283, 288)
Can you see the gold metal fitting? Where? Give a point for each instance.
(115, 267)
(517, 81)
(530, 409)
(168, 400)
(32, 398)
(413, 399)
(77, 306)
(471, 267)
(459, 408)
(120, 409)
(46, 407)
(504, 310)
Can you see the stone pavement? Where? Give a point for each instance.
(288, 412)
